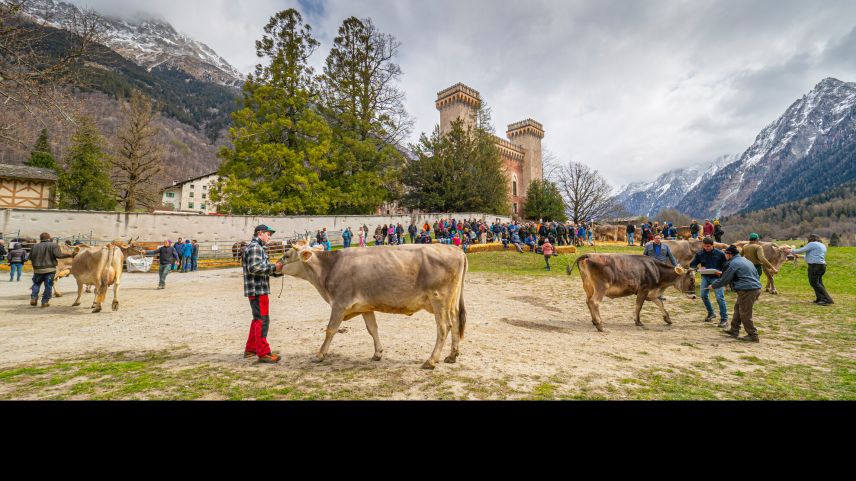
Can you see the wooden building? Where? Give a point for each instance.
(23, 187)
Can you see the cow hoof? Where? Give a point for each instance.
(57, 294)
(639, 323)
(317, 359)
(428, 365)
(115, 305)
(377, 357)
(450, 359)
(97, 309)
(667, 321)
(599, 328)
(75, 304)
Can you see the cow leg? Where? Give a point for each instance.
(79, 294)
(640, 300)
(371, 325)
(115, 304)
(656, 299)
(100, 295)
(454, 325)
(771, 284)
(56, 292)
(441, 317)
(337, 315)
(593, 300)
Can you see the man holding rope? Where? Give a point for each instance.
(257, 271)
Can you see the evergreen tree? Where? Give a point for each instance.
(544, 201)
(85, 183)
(366, 112)
(457, 172)
(834, 240)
(41, 156)
(280, 153)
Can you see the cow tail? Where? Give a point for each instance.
(105, 273)
(462, 310)
(570, 268)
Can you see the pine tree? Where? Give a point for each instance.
(41, 156)
(543, 201)
(280, 153)
(85, 182)
(366, 112)
(457, 172)
(834, 240)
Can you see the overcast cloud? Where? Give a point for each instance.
(630, 88)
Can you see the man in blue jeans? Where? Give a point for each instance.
(43, 257)
(186, 256)
(166, 256)
(710, 258)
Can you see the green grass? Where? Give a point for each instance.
(529, 264)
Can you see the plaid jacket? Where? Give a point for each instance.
(257, 269)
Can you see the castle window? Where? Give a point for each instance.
(514, 185)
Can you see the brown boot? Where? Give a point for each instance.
(749, 338)
(731, 333)
(34, 302)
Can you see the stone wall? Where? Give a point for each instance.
(106, 226)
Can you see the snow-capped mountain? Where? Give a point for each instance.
(149, 43)
(649, 198)
(808, 150)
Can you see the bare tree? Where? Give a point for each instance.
(32, 75)
(587, 194)
(140, 159)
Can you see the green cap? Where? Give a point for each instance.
(754, 236)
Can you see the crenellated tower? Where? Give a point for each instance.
(521, 153)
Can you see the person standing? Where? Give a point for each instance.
(17, 257)
(547, 250)
(194, 256)
(815, 257)
(362, 236)
(754, 253)
(257, 270)
(744, 280)
(708, 228)
(660, 252)
(2, 250)
(43, 257)
(325, 240)
(694, 229)
(166, 256)
(186, 254)
(711, 258)
(411, 231)
(717, 231)
(631, 233)
(178, 250)
(347, 235)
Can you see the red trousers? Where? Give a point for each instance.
(257, 341)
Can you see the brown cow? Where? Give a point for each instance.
(611, 233)
(397, 280)
(616, 276)
(685, 250)
(777, 256)
(101, 267)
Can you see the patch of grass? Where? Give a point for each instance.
(544, 391)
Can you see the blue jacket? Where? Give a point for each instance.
(186, 250)
(713, 260)
(741, 274)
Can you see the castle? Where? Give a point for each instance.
(521, 153)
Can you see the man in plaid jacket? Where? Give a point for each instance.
(257, 271)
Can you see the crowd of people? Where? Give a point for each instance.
(668, 231)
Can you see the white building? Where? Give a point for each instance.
(192, 195)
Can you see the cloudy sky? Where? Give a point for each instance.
(631, 88)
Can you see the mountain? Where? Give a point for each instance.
(826, 214)
(649, 198)
(150, 43)
(810, 149)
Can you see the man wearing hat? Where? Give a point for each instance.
(754, 253)
(815, 257)
(711, 258)
(744, 280)
(257, 271)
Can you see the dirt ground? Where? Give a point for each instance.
(520, 331)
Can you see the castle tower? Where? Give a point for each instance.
(457, 101)
(527, 135)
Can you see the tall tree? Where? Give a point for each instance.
(543, 201)
(41, 155)
(587, 194)
(365, 108)
(85, 183)
(140, 162)
(457, 172)
(280, 149)
(34, 77)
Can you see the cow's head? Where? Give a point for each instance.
(296, 255)
(685, 281)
